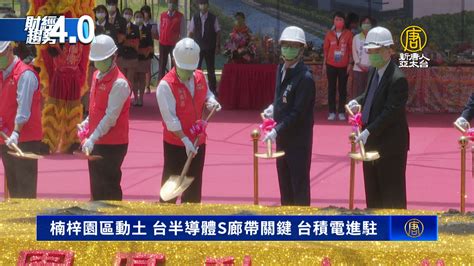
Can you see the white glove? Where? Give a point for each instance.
(190, 149)
(462, 122)
(213, 102)
(272, 135)
(13, 139)
(88, 146)
(354, 106)
(363, 136)
(268, 113)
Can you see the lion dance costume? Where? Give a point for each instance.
(63, 75)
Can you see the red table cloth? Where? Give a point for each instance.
(247, 86)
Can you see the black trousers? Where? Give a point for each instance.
(175, 158)
(385, 182)
(210, 57)
(337, 76)
(21, 174)
(165, 50)
(293, 176)
(105, 174)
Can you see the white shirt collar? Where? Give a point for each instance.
(101, 24)
(283, 69)
(9, 69)
(381, 71)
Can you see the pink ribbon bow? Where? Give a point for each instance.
(267, 125)
(82, 134)
(356, 121)
(199, 128)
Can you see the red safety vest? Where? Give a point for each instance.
(99, 98)
(32, 130)
(188, 109)
(170, 28)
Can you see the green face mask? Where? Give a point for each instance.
(366, 27)
(377, 60)
(3, 62)
(184, 74)
(289, 53)
(104, 65)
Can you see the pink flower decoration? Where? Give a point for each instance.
(84, 133)
(356, 121)
(199, 128)
(267, 125)
(470, 134)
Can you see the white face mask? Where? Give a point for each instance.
(138, 21)
(127, 17)
(100, 15)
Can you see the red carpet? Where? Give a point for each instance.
(432, 179)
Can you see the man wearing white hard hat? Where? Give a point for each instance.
(467, 114)
(385, 126)
(292, 110)
(182, 95)
(107, 122)
(20, 119)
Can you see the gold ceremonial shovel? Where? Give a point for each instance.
(17, 152)
(269, 154)
(87, 156)
(362, 155)
(176, 185)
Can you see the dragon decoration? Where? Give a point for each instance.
(63, 75)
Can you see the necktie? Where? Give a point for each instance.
(370, 98)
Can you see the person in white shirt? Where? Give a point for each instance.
(182, 95)
(107, 125)
(361, 57)
(204, 28)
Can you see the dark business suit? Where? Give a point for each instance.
(385, 184)
(293, 112)
(468, 112)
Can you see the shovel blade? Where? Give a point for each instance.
(369, 156)
(26, 155)
(173, 188)
(273, 155)
(83, 156)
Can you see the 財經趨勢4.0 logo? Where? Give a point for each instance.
(413, 39)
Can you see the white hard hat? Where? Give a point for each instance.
(186, 54)
(378, 37)
(3, 46)
(293, 34)
(103, 47)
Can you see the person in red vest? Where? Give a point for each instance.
(20, 119)
(171, 22)
(107, 123)
(182, 95)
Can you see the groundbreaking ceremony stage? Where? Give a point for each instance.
(433, 188)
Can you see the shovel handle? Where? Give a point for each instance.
(361, 145)
(269, 147)
(210, 115)
(185, 170)
(349, 111)
(461, 129)
(13, 145)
